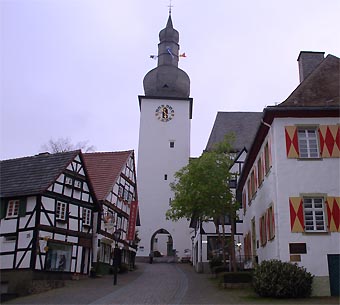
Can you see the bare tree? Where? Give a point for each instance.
(65, 144)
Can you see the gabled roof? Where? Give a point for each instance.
(317, 96)
(32, 175)
(320, 88)
(242, 124)
(103, 169)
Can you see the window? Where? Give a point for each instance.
(58, 257)
(13, 208)
(10, 238)
(253, 182)
(172, 144)
(86, 217)
(259, 171)
(165, 177)
(104, 253)
(61, 211)
(267, 158)
(249, 192)
(314, 214)
(308, 143)
(263, 232)
(270, 223)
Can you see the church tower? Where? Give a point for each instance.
(164, 148)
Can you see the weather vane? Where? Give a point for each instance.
(170, 6)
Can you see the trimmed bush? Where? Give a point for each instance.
(219, 269)
(278, 279)
(236, 277)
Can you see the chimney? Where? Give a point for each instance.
(308, 61)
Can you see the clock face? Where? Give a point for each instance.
(164, 113)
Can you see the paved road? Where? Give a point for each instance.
(154, 284)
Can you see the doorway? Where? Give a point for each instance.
(162, 244)
(334, 273)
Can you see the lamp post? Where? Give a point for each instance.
(116, 235)
(239, 244)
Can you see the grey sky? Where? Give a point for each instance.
(74, 68)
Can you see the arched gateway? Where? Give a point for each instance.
(164, 148)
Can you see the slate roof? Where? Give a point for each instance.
(32, 175)
(320, 88)
(242, 124)
(104, 169)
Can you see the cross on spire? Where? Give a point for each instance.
(170, 6)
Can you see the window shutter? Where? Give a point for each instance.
(292, 143)
(296, 214)
(270, 152)
(22, 207)
(273, 224)
(333, 214)
(267, 221)
(261, 233)
(3, 208)
(329, 139)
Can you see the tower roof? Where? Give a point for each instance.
(167, 80)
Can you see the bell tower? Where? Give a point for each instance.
(164, 148)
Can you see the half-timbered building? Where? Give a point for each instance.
(206, 242)
(46, 221)
(113, 177)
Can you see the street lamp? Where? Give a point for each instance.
(116, 236)
(239, 244)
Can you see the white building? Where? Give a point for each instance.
(290, 180)
(164, 148)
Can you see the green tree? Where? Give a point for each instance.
(201, 189)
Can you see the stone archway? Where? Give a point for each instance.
(166, 248)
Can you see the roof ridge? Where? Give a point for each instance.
(42, 154)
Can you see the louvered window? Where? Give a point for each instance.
(308, 143)
(314, 215)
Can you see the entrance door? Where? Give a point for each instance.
(334, 273)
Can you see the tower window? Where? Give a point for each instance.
(172, 144)
(165, 177)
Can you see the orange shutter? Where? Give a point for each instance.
(292, 143)
(333, 213)
(329, 136)
(296, 214)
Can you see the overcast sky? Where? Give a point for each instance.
(74, 68)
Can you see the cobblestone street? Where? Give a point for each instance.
(155, 284)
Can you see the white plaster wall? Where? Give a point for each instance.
(155, 159)
(296, 177)
(292, 178)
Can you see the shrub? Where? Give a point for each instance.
(219, 269)
(214, 262)
(278, 279)
(237, 277)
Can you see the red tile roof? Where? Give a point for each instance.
(104, 169)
